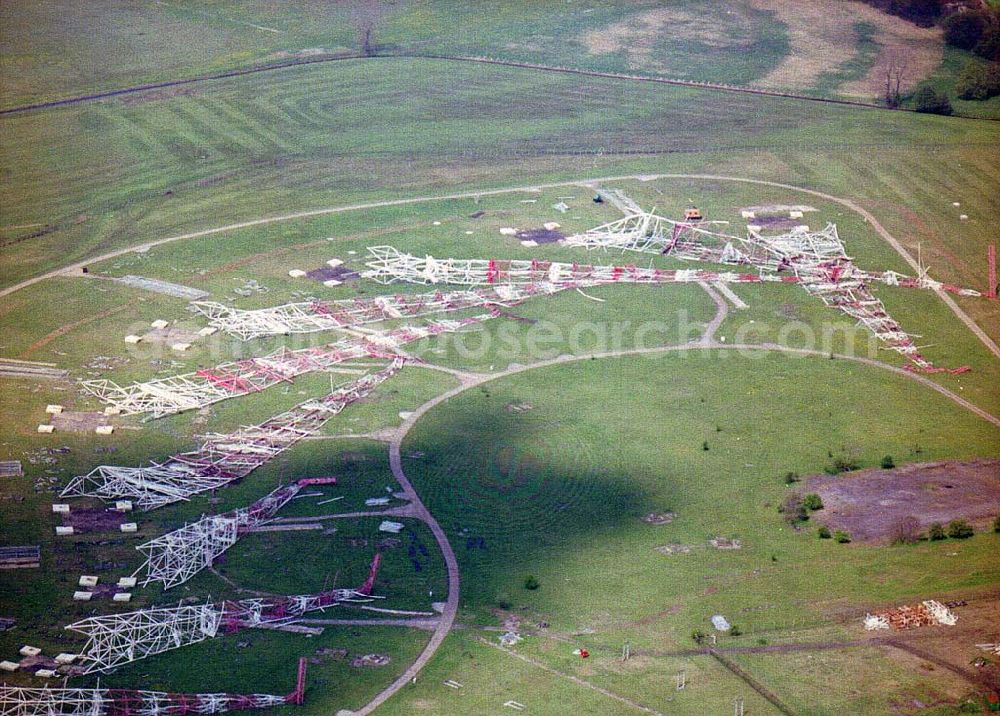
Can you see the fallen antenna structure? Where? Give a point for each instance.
(817, 260)
(389, 265)
(17, 701)
(316, 316)
(175, 557)
(118, 639)
(189, 391)
(221, 459)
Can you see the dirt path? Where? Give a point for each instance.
(751, 682)
(420, 511)
(575, 679)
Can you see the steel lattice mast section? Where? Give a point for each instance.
(17, 701)
(316, 316)
(646, 232)
(389, 265)
(118, 639)
(177, 556)
(817, 259)
(222, 458)
(121, 638)
(176, 394)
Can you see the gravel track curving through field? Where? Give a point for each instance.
(420, 511)
(469, 380)
(881, 230)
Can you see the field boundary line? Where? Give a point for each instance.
(443, 57)
(570, 677)
(750, 681)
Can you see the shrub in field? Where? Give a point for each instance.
(960, 529)
(936, 532)
(888, 463)
(964, 30)
(978, 81)
(793, 509)
(531, 582)
(929, 101)
(824, 532)
(812, 501)
(841, 537)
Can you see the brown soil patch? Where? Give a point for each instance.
(724, 543)
(333, 273)
(638, 35)
(674, 549)
(822, 36)
(71, 421)
(94, 520)
(170, 335)
(541, 236)
(659, 518)
(869, 503)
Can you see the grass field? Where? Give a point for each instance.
(547, 472)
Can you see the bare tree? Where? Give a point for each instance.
(906, 530)
(365, 16)
(894, 66)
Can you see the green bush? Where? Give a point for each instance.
(988, 46)
(888, 463)
(704, 446)
(793, 509)
(929, 101)
(996, 524)
(531, 582)
(964, 29)
(812, 501)
(936, 532)
(791, 478)
(698, 636)
(960, 529)
(824, 532)
(842, 464)
(735, 631)
(978, 81)
(841, 537)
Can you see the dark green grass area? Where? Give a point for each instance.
(266, 662)
(943, 80)
(857, 66)
(51, 53)
(538, 493)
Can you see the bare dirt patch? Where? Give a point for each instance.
(669, 549)
(637, 36)
(659, 518)
(170, 335)
(725, 543)
(540, 236)
(333, 273)
(71, 421)
(822, 36)
(868, 504)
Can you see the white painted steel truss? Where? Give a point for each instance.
(222, 458)
(175, 394)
